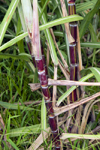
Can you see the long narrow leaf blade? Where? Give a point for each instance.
(43, 115)
(85, 23)
(7, 18)
(43, 27)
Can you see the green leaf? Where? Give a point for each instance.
(22, 56)
(85, 6)
(13, 144)
(60, 21)
(13, 106)
(7, 18)
(34, 129)
(87, 19)
(43, 115)
(94, 39)
(96, 72)
(61, 99)
(47, 32)
(44, 3)
(13, 41)
(20, 43)
(91, 44)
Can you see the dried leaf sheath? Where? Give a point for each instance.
(42, 76)
(73, 49)
(28, 18)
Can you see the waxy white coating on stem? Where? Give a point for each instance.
(36, 34)
(20, 10)
(27, 10)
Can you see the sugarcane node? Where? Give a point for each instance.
(48, 100)
(76, 65)
(58, 148)
(39, 64)
(43, 78)
(71, 1)
(71, 8)
(44, 86)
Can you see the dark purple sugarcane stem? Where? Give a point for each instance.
(73, 76)
(47, 97)
(73, 50)
(29, 48)
(43, 57)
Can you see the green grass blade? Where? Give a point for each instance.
(94, 39)
(22, 56)
(13, 41)
(13, 106)
(96, 72)
(91, 44)
(86, 21)
(13, 144)
(34, 129)
(85, 6)
(43, 115)
(7, 18)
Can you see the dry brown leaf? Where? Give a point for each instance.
(34, 86)
(43, 136)
(71, 83)
(63, 109)
(62, 58)
(87, 115)
(64, 11)
(54, 88)
(77, 120)
(79, 50)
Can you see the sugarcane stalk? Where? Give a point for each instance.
(73, 49)
(43, 77)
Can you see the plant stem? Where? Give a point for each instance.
(43, 77)
(73, 50)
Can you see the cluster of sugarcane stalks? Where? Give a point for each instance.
(37, 54)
